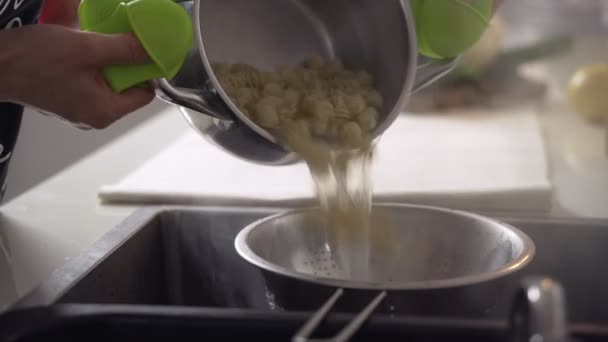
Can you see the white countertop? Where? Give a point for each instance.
(59, 218)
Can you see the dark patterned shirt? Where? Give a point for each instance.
(13, 14)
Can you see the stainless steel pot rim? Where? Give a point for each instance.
(216, 84)
(521, 261)
(406, 88)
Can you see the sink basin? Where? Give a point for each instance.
(186, 257)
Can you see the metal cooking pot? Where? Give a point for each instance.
(365, 34)
(446, 261)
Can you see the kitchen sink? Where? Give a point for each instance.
(182, 256)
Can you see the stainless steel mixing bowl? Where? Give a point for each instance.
(442, 258)
(377, 36)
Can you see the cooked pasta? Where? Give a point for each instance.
(325, 99)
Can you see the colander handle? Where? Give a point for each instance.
(539, 311)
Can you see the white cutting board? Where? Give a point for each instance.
(472, 160)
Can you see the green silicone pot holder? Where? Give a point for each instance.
(447, 28)
(163, 28)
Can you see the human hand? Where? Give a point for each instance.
(57, 69)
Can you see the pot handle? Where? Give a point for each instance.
(429, 70)
(188, 98)
(539, 311)
(191, 98)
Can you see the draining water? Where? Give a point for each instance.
(344, 190)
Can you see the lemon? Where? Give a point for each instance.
(587, 92)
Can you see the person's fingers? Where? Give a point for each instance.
(116, 49)
(132, 99)
(115, 106)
